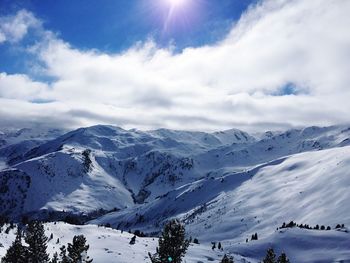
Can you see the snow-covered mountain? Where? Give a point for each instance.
(224, 185)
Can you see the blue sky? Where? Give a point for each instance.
(200, 65)
(115, 25)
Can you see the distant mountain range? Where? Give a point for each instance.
(224, 185)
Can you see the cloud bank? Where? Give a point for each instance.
(238, 82)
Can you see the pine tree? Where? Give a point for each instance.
(219, 246)
(77, 251)
(37, 241)
(172, 244)
(270, 256)
(63, 255)
(54, 258)
(283, 258)
(227, 259)
(133, 240)
(16, 253)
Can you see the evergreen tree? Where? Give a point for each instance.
(37, 241)
(16, 253)
(77, 251)
(172, 244)
(270, 256)
(55, 258)
(219, 246)
(133, 240)
(283, 258)
(227, 259)
(63, 255)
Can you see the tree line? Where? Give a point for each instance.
(172, 247)
(30, 246)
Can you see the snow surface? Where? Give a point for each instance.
(225, 186)
(110, 246)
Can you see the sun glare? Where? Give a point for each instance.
(176, 3)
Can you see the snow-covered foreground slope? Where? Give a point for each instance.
(110, 246)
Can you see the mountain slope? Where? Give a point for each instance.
(310, 188)
(224, 186)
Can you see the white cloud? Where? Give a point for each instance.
(20, 87)
(229, 84)
(14, 28)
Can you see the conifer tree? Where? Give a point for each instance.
(133, 240)
(283, 258)
(77, 251)
(54, 258)
(172, 244)
(227, 259)
(63, 255)
(16, 253)
(37, 241)
(270, 256)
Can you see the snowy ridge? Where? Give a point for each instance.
(224, 185)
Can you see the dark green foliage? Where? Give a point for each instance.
(133, 240)
(139, 233)
(219, 246)
(283, 258)
(16, 253)
(77, 251)
(172, 244)
(291, 224)
(254, 236)
(306, 226)
(73, 220)
(54, 258)
(37, 243)
(270, 256)
(63, 255)
(87, 160)
(227, 259)
(195, 241)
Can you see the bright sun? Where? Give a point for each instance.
(175, 3)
